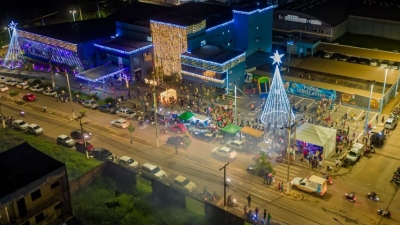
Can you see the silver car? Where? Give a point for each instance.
(92, 104)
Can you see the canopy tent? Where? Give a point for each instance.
(186, 115)
(168, 94)
(231, 128)
(317, 135)
(200, 117)
(252, 132)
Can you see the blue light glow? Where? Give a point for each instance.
(254, 11)
(218, 26)
(212, 63)
(12, 25)
(14, 53)
(124, 52)
(100, 79)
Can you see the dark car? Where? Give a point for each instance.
(108, 108)
(175, 141)
(102, 154)
(343, 58)
(206, 136)
(335, 56)
(80, 147)
(319, 54)
(261, 172)
(352, 59)
(77, 135)
(363, 61)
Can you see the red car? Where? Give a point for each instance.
(179, 128)
(80, 147)
(29, 97)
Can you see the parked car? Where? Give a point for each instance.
(374, 62)
(127, 113)
(385, 64)
(66, 141)
(178, 128)
(36, 88)
(153, 172)
(3, 79)
(352, 59)
(335, 56)
(29, 97)
(128, 163)
(175, 141)
(91, 104)
(319, 54)
(102, 154)
(261, 172)
(3, 88)
(35, 129)
(363, 61)
(394, 66)
(311, 183)
(328, 55)
(108, 108)
(80, 147)
(206, 136)
(343, 57)
(235, 144)
(121, 123)
(20, 125)
(77, 135)
(49, 92)
(224, 152)
(10, 82)
(184, 184)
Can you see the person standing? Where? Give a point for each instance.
(256, 211)
(245, 210)
(269, 219)
(44, 109)
(176, 149)
(249, 200)
(282, 186)
(265, 215)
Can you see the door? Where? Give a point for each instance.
(22, 207)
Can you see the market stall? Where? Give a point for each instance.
(252, 132)
(168, 96)
(186, 116)
(316, 138)
(200, 120)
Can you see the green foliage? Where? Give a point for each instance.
(366, 41)
(263, 164)
(47, 84)
(76, 162)
(13, 93)
(61, 89)
(36, 81)
(94, 96)
(109, 100)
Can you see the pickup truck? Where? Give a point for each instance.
(311, 183)
(354, 154)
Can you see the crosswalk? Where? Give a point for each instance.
(281, 172)
(255, 111)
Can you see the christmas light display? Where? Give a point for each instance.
(205, 78)
(254, 11)
(219, 26)
(48, 41)
(169, 41)
(14, 53)
(102, 79)
(196, 27)
(277, 107)
(124, 52)
(213, 66)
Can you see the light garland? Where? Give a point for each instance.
(203, 77)
(102, 79)
(213, 66)
(253, 12)
(48, 40)
(196, 27)
(218, 26)
(169, 41)
(14, 53)
(123, 52)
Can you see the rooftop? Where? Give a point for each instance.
(100, 73)
(213, 53)
(75, 32)
(123, 45)
(22, 165)
(331, 12)
(378, 9)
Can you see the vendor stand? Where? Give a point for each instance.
(200, 120)
(251, 132)
(168, 96)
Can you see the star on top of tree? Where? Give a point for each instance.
(12, 25)
(277, 58)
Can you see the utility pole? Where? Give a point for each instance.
(2, 117)
(155, 108)
(70, 95)
(50, 52)
(225, 184)
(83, 135)
(369, 108)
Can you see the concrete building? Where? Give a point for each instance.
(34, 188)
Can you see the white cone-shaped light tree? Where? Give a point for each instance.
(14, 53)
(277, 107)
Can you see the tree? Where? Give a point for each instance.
(131, 129)
(13, 94)
(263, 164)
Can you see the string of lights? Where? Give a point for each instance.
(14, 53)
(253, 12)
(213, 66)
(196, 27)
(101, 79)
(48, 41)
(124, 52)
(203, 77)
(219, 26)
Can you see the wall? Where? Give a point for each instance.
(224, 36)
(133, 31)
(241, 24)
(374, 27)
(260, 32)
(339, 30)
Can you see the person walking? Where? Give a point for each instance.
(44, 109)
(245, 210)
(176, 149)
(256, 212)
(249, 200)
(279, 186)
(282, 186)
(269, 219)
(265, 215)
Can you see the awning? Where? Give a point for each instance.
(200, 117)
(252, 132)
(186, 115)
(231, 128)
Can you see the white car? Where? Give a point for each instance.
(92, 104)
(373, 62)
(23, 86)
(328, 55)
(129, 163)
(3, 79)
(49, 92)
(3, 88)
(14, 82)
(127, 113)
(35, 129)
(235, 144)
(183, 183)
(36, 88)
(224, 152)
(20, 125)
(121, 123)
(65, 141)
(10, 81)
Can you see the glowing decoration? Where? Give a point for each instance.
(14, 54)
(48, 41)
(100, 79)
(196, 27)
(205, 78)
(219, 26)
(277, 107)
(277, 58)
(124, 52)
(169, 41)
(253, 12)
(213, 66)
(12, 25)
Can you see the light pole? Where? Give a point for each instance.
(337, 220)
(225, 183)
(235, 115)
(70, 95)
(383, 91)
(369, 107)
(2, 117)
(155, 107)
(83, 114)
(73, 14)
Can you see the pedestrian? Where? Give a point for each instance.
(176, 149)
(336, 150)
(269, 218)
(282, 186)
(357, 125)
(44, 109)
(256, 211)
(265, 214)
(80, 86)
(383, 119)
(245, 210)
(377, 119)
(138, 91)
(279, 186)
(249, 200)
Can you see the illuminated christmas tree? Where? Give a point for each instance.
(277, 107)
(14, 54)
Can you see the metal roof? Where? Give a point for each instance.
(213, 53)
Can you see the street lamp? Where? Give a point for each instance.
(70, 95)
(3, 121)
(73, 14)
(83, 114)
(369, 107)
(155, 107)
(383, 91)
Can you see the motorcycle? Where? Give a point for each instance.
(372, 196)
(232, 202)
(163, 131)
(384, 213)
(227, 182)
(350, 196)
(22, 113)
(369, 150)
(328, 178)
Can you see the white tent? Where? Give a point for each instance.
(317, 135)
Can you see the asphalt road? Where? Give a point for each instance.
(202, 168)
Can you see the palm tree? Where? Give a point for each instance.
(263, 164)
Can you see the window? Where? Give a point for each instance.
(39, 217)
(36, 194)
(315, 30)
(322, 31)
(303, 28)
(54, 185)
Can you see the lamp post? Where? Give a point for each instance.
(369, 107)
(83, 114)
(3, 121)
(73, 14)
(383, 91)
(235, 115)
(70, 95)
(155, 107)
